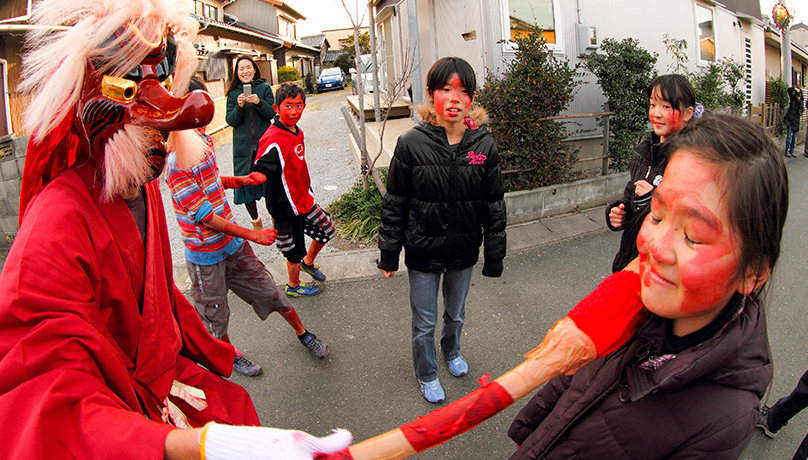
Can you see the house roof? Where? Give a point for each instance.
(239, 28)
(331, 55)
(315, 41)
(744, 7)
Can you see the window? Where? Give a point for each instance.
(523, 15)
(287, 28)
(704, 20)
(205, 10)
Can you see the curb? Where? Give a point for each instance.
(357, 265)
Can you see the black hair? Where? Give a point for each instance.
(444, 68)
(235, 80)
(755, 183)
(289, 89)
(676, 89)
(196, 83)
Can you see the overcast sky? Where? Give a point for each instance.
(327, 14)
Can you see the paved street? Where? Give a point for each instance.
(367, 385)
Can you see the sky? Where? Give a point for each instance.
(327, 14)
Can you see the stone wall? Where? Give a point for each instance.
(12, 160)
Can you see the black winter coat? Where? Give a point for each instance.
(701, 403)
(441, 205)
(649, 161)
(792, 117)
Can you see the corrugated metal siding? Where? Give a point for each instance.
(448, 27)
(255, 13)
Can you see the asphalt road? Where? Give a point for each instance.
(367, 385)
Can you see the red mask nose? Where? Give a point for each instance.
(156, 108)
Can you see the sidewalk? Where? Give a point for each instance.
(361, 264)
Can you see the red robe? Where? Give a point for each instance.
(82, 371)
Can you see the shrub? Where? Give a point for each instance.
(345, 62)
(535, 84)
(308, 82)
(624, 71)
(777, 93)
(357, 214)
(288, 73)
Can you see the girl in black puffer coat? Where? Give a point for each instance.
(445, 199)
(672, 102)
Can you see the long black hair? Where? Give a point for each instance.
(235, 80)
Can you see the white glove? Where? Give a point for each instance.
(227, 442)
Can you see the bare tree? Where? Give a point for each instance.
(394, 91)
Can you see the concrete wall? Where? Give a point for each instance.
(528, 205)
(12, 161)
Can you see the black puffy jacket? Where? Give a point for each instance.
(441, 203)
(649, 161)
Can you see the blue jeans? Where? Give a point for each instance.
(791, 140)
(424, 305)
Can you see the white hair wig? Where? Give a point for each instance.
(115, 34)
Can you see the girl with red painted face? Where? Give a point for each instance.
(689, 383)
(671, 104)
(249, 112)
(444, 199)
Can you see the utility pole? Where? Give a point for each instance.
(374, 61)
(785, 46)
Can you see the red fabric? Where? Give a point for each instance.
(458, 417)
(44, 160)
(294, 169)
(80, 364)
(612, 313)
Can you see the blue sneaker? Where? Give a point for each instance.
(313, 270)
(301, 290)
(432, 391)
(458, 366)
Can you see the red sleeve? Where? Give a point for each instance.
(65, 391)
(612, 313)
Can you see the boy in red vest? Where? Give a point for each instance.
(290, 201)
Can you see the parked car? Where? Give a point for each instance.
(332, 78)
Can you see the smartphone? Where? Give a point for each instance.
(247, 89)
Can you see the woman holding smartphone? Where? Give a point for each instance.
(249, 112)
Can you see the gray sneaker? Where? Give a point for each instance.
(244, 366)
(316, 346)
(763, 422)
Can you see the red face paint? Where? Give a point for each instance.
(290, 110)
(452, 101)
(688, 255)
(666, 119)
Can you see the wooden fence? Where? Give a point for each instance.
(765, 115)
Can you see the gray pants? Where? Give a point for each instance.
(241, 273)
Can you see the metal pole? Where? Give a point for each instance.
(374, 61)
(785, 46)
(416, 80)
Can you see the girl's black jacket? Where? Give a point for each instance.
(442, 203)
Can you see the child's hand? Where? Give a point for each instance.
(641, 187)
(616, 215)
(387, 273)
(256, 178)
(266, 236)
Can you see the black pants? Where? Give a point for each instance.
(788, 407)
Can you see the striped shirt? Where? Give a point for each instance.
(197, 195)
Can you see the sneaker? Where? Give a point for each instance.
(301, 290)
(244, 366)
(763, 422)
(458, 366)
(313, 270)
(432, 391)
(316, 346)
